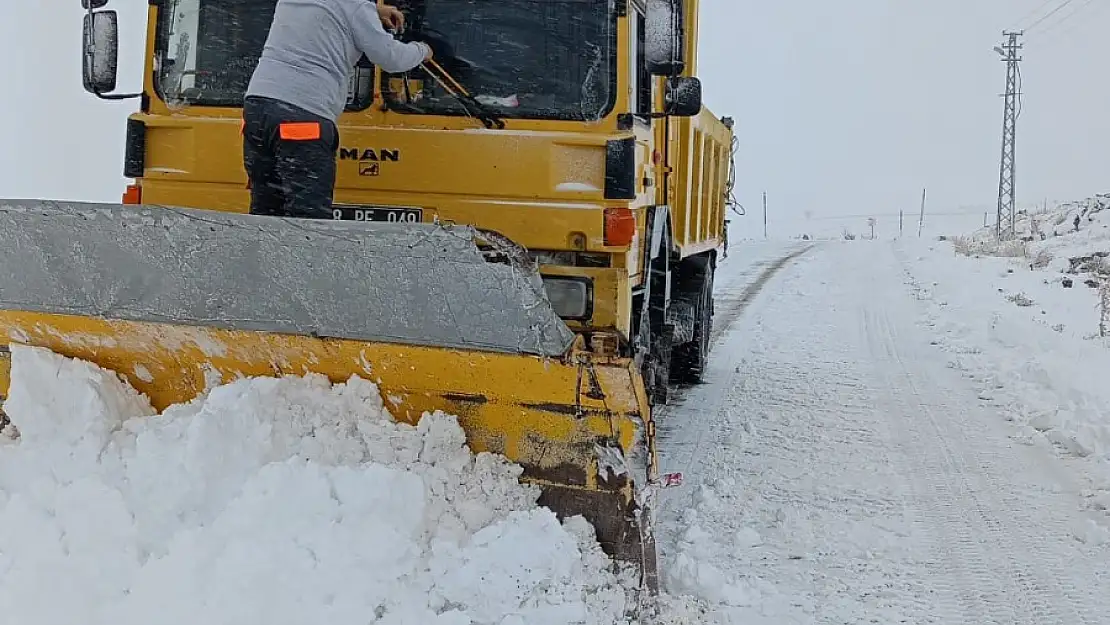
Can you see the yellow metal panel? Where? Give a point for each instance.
(576, 170)
(708, 188)
(692, 22)
(695, 207)
(171, 152)
(699, 154)
(151, 40)
(537, 412)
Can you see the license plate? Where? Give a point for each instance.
(377, 213)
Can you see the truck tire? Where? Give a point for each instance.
(664, 358)
(656, 359)
(655, 336)
(690, 360)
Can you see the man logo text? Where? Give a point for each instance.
(369, 154)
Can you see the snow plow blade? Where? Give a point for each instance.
(174, 300)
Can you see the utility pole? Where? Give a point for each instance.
(765, 215)
(921, 219)
(901, 220)
(1004, 226)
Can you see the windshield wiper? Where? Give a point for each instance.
(480, 111)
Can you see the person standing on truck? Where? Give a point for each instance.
(299, 89)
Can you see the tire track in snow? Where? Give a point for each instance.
(732, 303)
(768, 440)
(729, 307)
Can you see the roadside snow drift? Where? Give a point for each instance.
(270, 501)
(1029, 320)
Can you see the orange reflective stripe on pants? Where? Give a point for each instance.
(300, 131)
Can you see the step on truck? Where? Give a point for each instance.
(524, 235)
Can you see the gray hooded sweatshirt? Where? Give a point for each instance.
(314, 44)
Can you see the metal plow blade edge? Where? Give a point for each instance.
(171, 299)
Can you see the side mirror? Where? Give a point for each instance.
(100, 51)
(665, 47)
(683, 97)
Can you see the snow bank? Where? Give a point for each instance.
(1048, 238)
(695, 569)
(1023, 321)
(270, 501)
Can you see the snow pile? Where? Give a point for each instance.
(695, 569)
(716, 550)
(1049, 238)
(270, 501)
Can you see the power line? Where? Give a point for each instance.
(869, 215)
(1054, 25)
(1049, 14)
(1032, 13)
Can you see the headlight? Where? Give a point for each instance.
(572, 298)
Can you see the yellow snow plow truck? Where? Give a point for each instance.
(527, 241)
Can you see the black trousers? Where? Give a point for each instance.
(289, 154)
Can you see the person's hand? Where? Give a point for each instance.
(428, 53)
(392, 17)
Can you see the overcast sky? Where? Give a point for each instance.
(842, 108)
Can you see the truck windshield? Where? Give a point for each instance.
(520, 58)
(208, 49)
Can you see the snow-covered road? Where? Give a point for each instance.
(839, 470)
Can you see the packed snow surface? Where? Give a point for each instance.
(270, 501)
(886, 435)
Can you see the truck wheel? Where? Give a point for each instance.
(691, 359)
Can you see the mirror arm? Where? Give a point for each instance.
(118, 96)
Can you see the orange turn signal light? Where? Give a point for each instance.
(133, 194)
(620, 227)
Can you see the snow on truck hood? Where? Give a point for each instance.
(270, 501)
